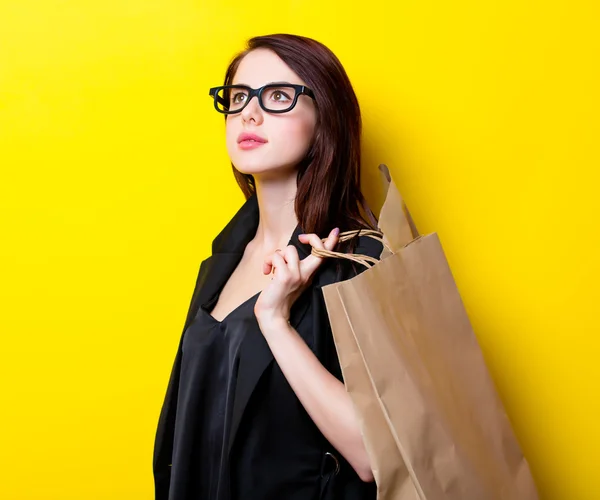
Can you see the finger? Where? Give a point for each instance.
(280, 268)
(268, 263)
(293, 261)
(312, 262)
(330, 242)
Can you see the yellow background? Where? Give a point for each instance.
(114, 180)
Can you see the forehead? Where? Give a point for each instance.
(262, 66)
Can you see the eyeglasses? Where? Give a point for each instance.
(273, 98)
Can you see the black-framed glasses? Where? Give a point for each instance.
(273, 98)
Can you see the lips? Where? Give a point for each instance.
(250, 141)
(251, 138)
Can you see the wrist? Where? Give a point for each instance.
(272, 321)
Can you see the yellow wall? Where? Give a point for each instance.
(111, 155)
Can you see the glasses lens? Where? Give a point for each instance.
(278, 97)
(231, 99)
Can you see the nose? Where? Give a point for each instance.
(252, 111)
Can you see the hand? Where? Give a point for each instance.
(291, 276)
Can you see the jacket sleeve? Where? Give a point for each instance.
(165, 431)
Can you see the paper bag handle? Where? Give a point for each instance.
(365, 260)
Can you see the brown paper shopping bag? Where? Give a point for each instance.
(431, 419)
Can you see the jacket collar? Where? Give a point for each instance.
(242, 228)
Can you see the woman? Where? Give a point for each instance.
(256, 407)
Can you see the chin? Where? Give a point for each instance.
(261, 169)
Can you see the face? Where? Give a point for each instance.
(288, 135)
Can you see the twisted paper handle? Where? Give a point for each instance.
(365, 260)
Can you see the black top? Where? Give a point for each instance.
(268, 446)
(209, 368)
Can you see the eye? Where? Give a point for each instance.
(238, 97)
(279, 95)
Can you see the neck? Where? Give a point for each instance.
(277, 215)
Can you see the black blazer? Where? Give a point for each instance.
(276, 452)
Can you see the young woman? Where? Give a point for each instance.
(256, 407)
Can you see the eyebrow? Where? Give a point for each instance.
(270, 83)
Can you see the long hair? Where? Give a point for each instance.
(328, 190)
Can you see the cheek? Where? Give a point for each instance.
(296, 133)
(232, 131)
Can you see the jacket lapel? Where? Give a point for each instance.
(255, 356)
(214, 273)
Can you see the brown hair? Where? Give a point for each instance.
(329, 193)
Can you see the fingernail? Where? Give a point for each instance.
(336, 231)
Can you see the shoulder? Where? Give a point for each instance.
(368, 246)
(338, 269)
